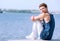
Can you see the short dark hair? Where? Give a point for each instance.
(43, 4)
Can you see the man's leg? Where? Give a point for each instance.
(33, 34)
(39, 28)
(36, 30)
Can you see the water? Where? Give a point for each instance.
(19, 25)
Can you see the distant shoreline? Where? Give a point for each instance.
(20, 11)
(24, 11)
(1, 11)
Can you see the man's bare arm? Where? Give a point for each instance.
(39, 17)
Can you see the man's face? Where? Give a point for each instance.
(43, 9)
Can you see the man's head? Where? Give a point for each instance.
(43, 8)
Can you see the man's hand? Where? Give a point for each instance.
(33, 18)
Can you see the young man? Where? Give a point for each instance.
(44, 29)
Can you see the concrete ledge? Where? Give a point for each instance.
(27, 40)
(36, 40)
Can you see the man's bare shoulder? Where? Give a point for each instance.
(41, 14)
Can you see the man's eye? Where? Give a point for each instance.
(42, 8)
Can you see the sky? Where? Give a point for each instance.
(29, 4)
